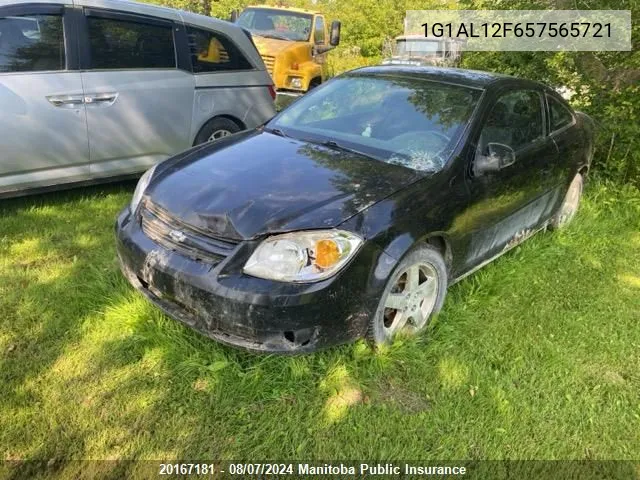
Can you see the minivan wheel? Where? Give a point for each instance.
(413, 294)
(215, 129)
(570, 204)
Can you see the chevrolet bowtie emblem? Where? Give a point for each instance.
(177, 236)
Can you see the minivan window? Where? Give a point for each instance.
(118, 44)
(31, 43)
(213, 52)
(560, 115)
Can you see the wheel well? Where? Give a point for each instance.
(441, 244)
(584, 170)
(315, 81)
(239, 123)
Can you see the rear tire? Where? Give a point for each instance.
(414, 293)
(570, 204)
(216, 128)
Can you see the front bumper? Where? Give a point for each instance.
(256, 314)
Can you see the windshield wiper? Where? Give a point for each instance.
(337, 146)
(275, 131)
(271, 35)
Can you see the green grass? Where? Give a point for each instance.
(537, 356)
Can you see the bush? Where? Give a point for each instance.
(345, 59)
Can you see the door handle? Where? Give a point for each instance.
(66, 101)
(100, 99)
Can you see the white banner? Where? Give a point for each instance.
(526, 30)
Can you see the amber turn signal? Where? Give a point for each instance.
(327, 253)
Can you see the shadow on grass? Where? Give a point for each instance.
(65, 196)
(56, 268)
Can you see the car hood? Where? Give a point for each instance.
(275, 46)
(257, 183)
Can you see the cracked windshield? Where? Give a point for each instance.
(401, 120)
(277, 24)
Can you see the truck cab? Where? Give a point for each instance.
(293, 44)
(421, 50)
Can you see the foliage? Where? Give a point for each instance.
(605, 85)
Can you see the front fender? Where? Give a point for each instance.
(408, 218)
(310, 70)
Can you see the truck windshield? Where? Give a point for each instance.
(402, 120)
(422, 48)
(275, 23)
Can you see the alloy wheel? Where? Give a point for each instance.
(571, 202)
(410, 302)
(218, 134)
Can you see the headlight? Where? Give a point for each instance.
(303, 256)
(143, 183)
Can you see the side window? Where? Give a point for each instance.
(32, 43)
(318, 36)
(117, 44)
(515, 120)
(560, 115)
(213, 52)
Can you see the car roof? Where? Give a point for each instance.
(417, 37)
(143, 9)
(458, 76)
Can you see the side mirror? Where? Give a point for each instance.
(334, 39)
(500, 156)
(234, 16)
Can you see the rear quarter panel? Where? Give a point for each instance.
(242, 95)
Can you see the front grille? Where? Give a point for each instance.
(177, 236)
(269, 62)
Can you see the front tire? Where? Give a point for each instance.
(316, 82)
(570, 205)
(413, 294)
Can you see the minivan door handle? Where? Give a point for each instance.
(100, 99)
(66, 101)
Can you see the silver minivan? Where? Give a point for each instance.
(95, 89)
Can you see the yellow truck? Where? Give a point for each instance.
(293, 44)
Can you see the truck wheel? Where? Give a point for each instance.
(314, 83)
(215, 129)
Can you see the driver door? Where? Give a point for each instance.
(506, 203)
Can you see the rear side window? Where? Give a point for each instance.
(117, 44)
(31, 43)
(560, 115)
(213, 52)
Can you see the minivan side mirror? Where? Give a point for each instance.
(234, 16)
(500, 156)
(334, 39)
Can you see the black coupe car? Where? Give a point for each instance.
(350, 213)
